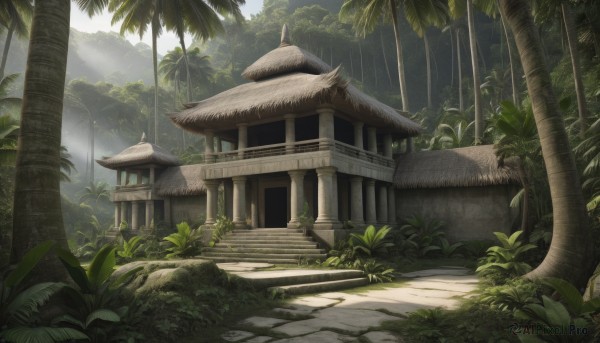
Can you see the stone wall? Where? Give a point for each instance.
(191, 209)
(471, 213)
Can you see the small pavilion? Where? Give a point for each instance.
(299, 132)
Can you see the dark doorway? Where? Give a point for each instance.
(276, 207)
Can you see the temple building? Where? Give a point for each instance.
(298, 133)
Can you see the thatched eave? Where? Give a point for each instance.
(143, 153)
(180, 181)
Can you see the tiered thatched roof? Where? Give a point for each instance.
(461, 167)
(180, 181)
(290, 80)
(140, 154)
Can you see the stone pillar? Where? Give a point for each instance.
(335, 197)
(391, 193)
(117, 214)
(118, 177)
(326, 197)
(358, 135)
(372, 142)
(387, 145)
(242, 139)
(212, 190)
(290, 133)
(254, 202)
(356, 193)
(370, 197)
(149, 213)
(326, 128)
(296, 196)
(344, 197)
(239, 202)
(152, 177)
(382, 204)
(134, 215)
(167, 209)
(209, 146)
(123, 215)
(228, 198)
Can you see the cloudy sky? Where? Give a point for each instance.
(167, 41)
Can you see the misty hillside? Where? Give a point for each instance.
(94, 57)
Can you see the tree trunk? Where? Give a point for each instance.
(461, 101)
(155, 25)
(387, 67)
(92, 133)
(475, 65)
(525, 222)
(452, 59)
(579, 90)
(37, 201)
(571, 253)
(187, 69)
(402, 80)
(9, 35)
(428, 62)
(513, 79)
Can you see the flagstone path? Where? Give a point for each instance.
(355, 316)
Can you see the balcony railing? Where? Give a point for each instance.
(299, 147)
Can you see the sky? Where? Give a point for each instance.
(167, 41)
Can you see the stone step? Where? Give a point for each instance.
(218, 259)
(275, 278)
(273, 237)
(268, 230)
(267, 234)
(238, 240)
(318, 287)
(262, 255)
(278, 250)
(295, 245)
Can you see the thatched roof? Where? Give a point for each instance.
(295, 93)
(180, 181)
(461, 167)
(290, 80)
(139, 154)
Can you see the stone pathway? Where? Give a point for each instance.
(351, 317)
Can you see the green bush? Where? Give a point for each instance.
(425, 234)
(503, 262)
(371, 242)
(128, 249)
(222, 226)
(185, 242)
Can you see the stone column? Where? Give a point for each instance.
(239, 202)
(212, 190)
(228, 198)
(372, 142)
(242, 139)
(387, 145)
(290, 133)
(335, 197)
(344, 197)
(167, 210)
(123, 215)
(358, 135)
(149, 213)
(326, 196)
(370, 197)
(356, 212)
(382, 204)
(209, 146)
(118, 177)
(326, 128)
(117, 214)
(134, 215)
(152, 177)
(391, 193)
(254, 202)
(296, 196)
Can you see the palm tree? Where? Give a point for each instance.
(456, 136)
(365, 15)
(14, 15)
(174, 69)
(569, 256)
(9, 129)
(37, 203)
(96, 191)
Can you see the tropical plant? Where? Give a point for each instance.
(97, 191)
(185, 241)
(37, 202)
(515, 294)
(568, 256)
(128, 249)
(305, 220)
(372, 242)
(456, 136)
(19, 306)
(589, 151)
(66, 166)
(15, 16)
(222, 226)
(8, 141)
(91, 240)
(449, 250)
(174, 69)
(425, 233)
(95, 304)
(375, 271)
(505, 261)
(341, 256)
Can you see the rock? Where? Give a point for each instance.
(236, 335)
(319, 337)
(381, 337)
(263, 322)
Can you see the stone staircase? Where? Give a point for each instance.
(277, 246)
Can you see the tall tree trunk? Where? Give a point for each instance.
(187, 69)
(400, 57)
(475, 65)
(9, 35)
(570, 254)
(92, 133)
(461, 101)
(428, 62)
(513, 78)
(525, 222)
(155, 25)
(452, 58)
(579, 90)
(37, 201)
